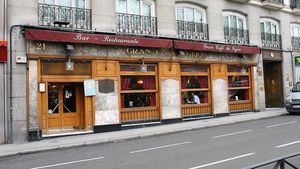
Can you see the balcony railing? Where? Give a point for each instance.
(234, 35)
(136, 24)
(270, 40)
(296, 43)
(64, 16)
(274, 1)
(295, 4)
(192, 30)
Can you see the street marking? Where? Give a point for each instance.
(288, 144)
(155, 148)
(70, 162)
(281, 124)
(230, 134)
(222, 161)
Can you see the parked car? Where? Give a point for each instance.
(293, 100)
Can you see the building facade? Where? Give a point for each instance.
(94, 65)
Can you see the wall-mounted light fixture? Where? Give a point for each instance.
(143, 67)
(69, 63)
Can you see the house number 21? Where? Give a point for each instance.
(41, 46)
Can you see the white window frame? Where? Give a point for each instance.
(273, 23)
(150, 2)
(292, 29)
(195, 8)
(238, 16)
(73, 3)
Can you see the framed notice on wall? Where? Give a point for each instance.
(297, 60)
(89, 87)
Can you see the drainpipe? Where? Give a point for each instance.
(10, 117)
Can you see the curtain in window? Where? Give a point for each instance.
(225, 21)
(268, 27)
(80, 3)
(233, 21)
(146, 9)
(198, 17)
(296, 31)
(189, 14)
(180, 14)
(131, 83)
(134, 7)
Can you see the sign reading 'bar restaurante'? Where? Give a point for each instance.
(104, 39)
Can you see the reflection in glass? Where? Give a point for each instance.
(131, 100)
(194, 97)
(69, 101)
(238, 81)
(53, 101)
(194, 82)
(238, 94)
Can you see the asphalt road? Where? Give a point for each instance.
(224, 147)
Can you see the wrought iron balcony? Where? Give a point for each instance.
(192, 30)
(234, 35)
(273, 4)
(296, 43)
(270, 40)
(64, 16)
(136, 24)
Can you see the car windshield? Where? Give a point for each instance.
(296, 88)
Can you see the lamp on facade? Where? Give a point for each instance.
(69, 63)
(143, 67)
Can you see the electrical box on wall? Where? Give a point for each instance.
(21, 59)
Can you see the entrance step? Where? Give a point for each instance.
(52, 134)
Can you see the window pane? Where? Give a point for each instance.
(194, 97)
(53, 100)
(146, 9)
(64, 2)
(194, 82)
(237, 69)
(193, 68)
(225, 21)
(189, 14)
(69, 99)
(138, 83)
(121, 6)
(136, 68)
(262, 27)
(80, 3)
(239, 94)
(238, 81)
(241, 23)
(274, 30)
(179, 14)
(49, 2)
(233, 22)
(134, 7)
(268, 27)
(198, 17)
(131, 100)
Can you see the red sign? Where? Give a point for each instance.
(58, 36)
(3, 51)
(213, 47)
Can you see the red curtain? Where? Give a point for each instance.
(203, 81)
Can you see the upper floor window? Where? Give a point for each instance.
(136, 7)
(190, 13)
(235, 28)
(70, 3)
(269, 26)
(65, 13)
(136, 17)
(191, 21)
(295, 33)
(270, 35)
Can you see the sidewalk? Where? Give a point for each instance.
(90, 139)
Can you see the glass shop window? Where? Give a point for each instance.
(238, 83)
